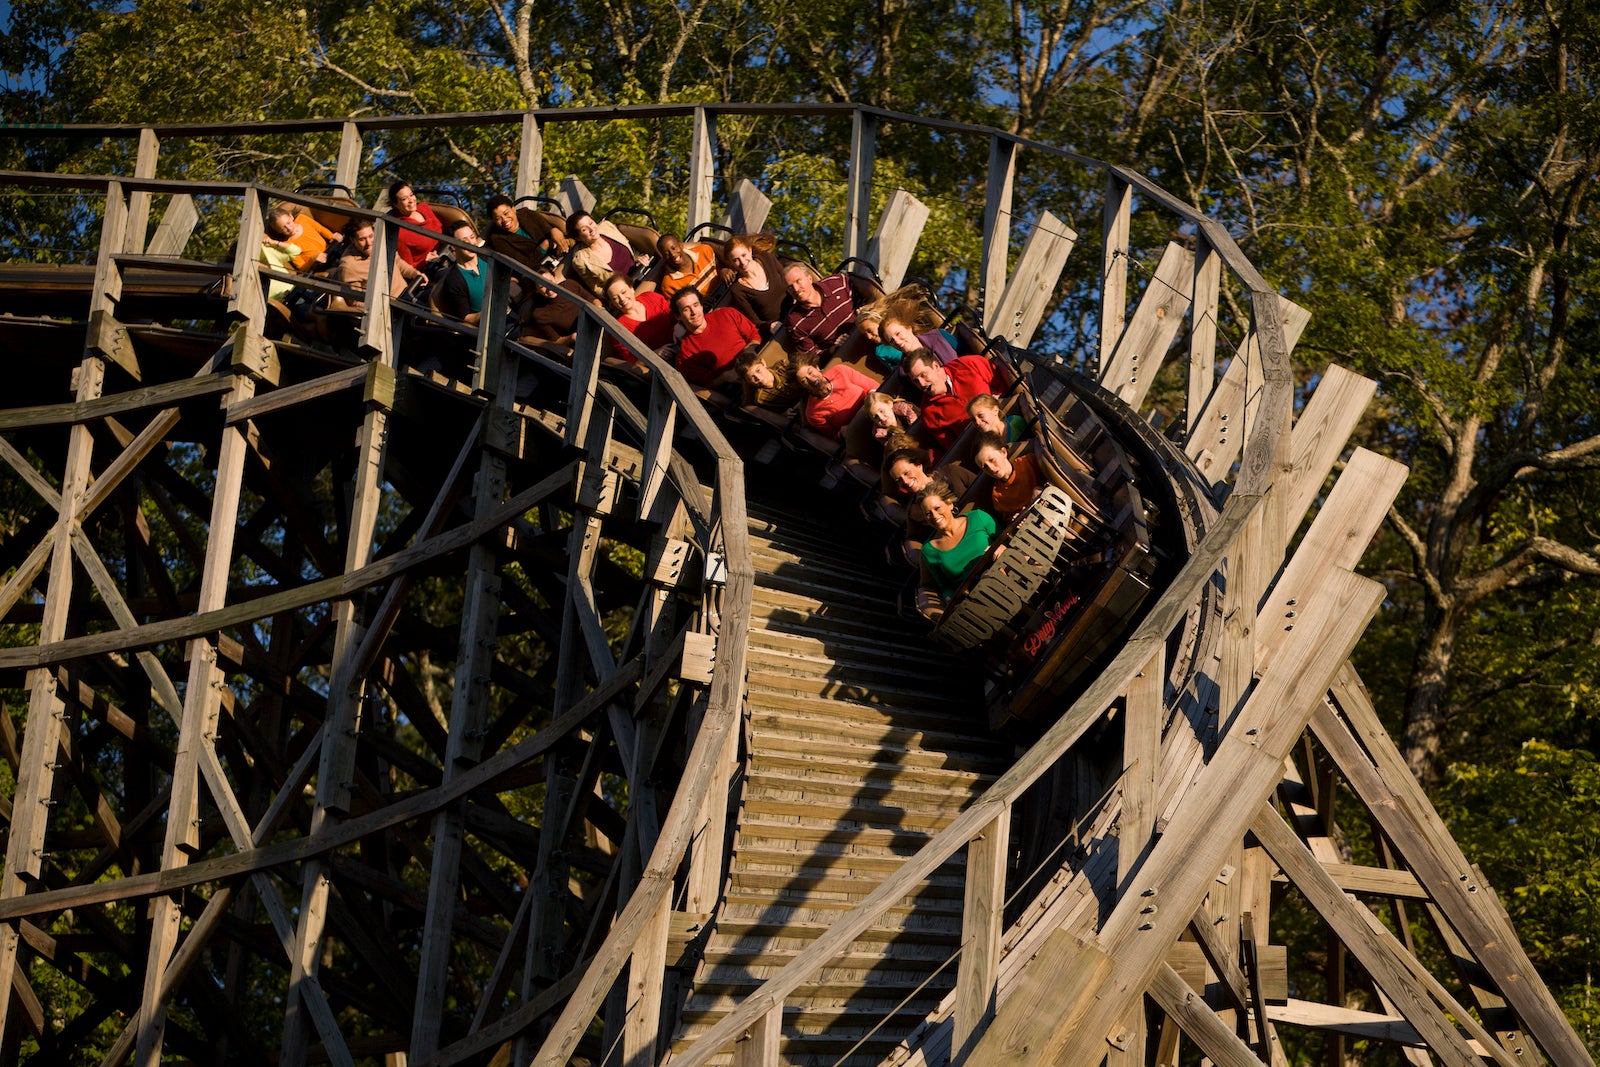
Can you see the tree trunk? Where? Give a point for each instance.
(1423, 728)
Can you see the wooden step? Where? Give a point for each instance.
(791, 750)
(796, 716)
(807, 763)
(844, 649)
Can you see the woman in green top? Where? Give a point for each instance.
(959, 541)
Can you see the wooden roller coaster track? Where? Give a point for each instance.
(506, 712)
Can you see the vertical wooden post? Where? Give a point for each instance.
(202, 697)
(1141, 763)
(759, 1047)
(42, 737)
(144, 166)
(346, 690)
(1114, 264)
(530, 157)
(996, 225)
(470, 694)
(642, 1028)
(1203, 328)
(348, 170)
(982, 918)
(702, 164)
(858, 205)
(585, 378)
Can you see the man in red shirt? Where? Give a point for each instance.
(946, 390)
(836, 394)
(712, 340)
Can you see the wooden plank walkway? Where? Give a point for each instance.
(865, 740)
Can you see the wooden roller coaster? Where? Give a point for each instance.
(411, 695)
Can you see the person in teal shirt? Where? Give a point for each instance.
(959, 542)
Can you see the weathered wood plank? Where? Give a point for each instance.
(997, 222)
(702, 160)
(977, 979)
(1016, 315)
(1142, 348)
(895, 240)
(1379, 777)
(149, 396)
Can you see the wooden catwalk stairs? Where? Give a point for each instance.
(865, 740)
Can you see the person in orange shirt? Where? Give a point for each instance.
(1016, 482)
(685, 265)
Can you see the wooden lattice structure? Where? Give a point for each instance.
(377, 713)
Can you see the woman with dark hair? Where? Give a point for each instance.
(756, 285)
(510, 236)
(415, 248)
(959, 542)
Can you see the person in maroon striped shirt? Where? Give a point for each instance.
(823, 314)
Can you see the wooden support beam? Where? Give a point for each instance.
(758, 1047)
(1215, 1037)
(198, 729)
(1377, 774)
(1319, 436)
(895, 240)
(1203, 329)
(138, 219)
(642, 1031)
(858, 195)
(1173, 881)
(983, 912)
(748, 208)
(1218, 433)
(45, 728)
(1114, 266)
(336, 770)
(702, 166)
(347, 169)
(1143, 720)
(1341, 532)
(997, 221)
(176, 227)
(1380, 955)
(1020, 309)
(530, 157)
(574, 196)
(1142, 348)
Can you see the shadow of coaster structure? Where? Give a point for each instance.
(425, 697)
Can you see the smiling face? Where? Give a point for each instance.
(909, 477)
(989, 421)
(505, 218)
(741, 257)
(691, 312)
(899, 334)
(588, 230)
(619, 295)
(941, 516)
(671, 250)
(798, 281)
(405, 201)
(994, 462)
